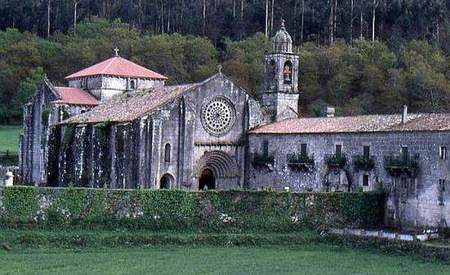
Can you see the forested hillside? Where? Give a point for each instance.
(321, 21)
(391, 53)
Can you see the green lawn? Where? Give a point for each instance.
(308, 259)
(9, 138)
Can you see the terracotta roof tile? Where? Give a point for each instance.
(130, 106)
(75, 96)
(117, 66)
(357, 124)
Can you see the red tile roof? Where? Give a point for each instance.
(75, 96)
(117, 66)
(357, 124)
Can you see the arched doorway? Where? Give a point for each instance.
(217, 170)
(207, 180)
(166, 181)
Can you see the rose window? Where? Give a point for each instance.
(218, 116)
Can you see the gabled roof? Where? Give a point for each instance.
(117, 66)
(74, 96)
(133, 105)
(130, 106)
(358, 124)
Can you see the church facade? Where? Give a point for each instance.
(118, 125)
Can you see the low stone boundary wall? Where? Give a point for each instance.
(386, 234)
(180, 210)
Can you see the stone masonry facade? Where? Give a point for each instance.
(118, 125)
(412, 202)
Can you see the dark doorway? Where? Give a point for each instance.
(207, 180)
(166, 181)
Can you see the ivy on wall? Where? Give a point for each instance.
(180, 210)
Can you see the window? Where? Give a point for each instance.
(404, 152)
(132, 84)
(338, 150)
(287, 72)
(167, 153)
(403, 189)
(266, 148)
(83, 83)
(365, 180)
(441, 191)
(303, 149)
(443, 152)
(366, 151)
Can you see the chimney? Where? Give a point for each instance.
(405, 114)
(330, 111)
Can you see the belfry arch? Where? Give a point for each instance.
(216, 169)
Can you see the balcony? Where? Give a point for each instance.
(363, 163)
(336, 161)
(300, 161)
(263, 160)
(402, 165)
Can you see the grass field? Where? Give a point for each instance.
(9, 138)
(308, 259)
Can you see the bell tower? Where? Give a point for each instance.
(280, 91)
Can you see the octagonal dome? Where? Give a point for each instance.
(282, 41)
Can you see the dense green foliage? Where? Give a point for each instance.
(319, 21)
(306, 259)
(360, 78)
(178, 210)
(25, 57)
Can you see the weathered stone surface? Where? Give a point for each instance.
(412, 203)
(134, 154)
(39, 115)
(147, 135)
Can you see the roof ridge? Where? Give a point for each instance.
(117, 66)
(357, 124)
(112, 60)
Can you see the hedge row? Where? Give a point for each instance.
(180, 210)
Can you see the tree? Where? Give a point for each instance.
(25, 91)
(374, 8)
(244, 60)
(75, 6)
(48, 17)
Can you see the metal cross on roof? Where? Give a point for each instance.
(116, 51)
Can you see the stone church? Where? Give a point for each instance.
(117, 125)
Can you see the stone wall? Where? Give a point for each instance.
(105, 87)
(413, 201)
(38, 116)
(132, 154)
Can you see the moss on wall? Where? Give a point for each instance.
(180, 210)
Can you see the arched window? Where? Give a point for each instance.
(287, 72)
(167, 153)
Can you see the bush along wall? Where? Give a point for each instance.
(180, 210)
